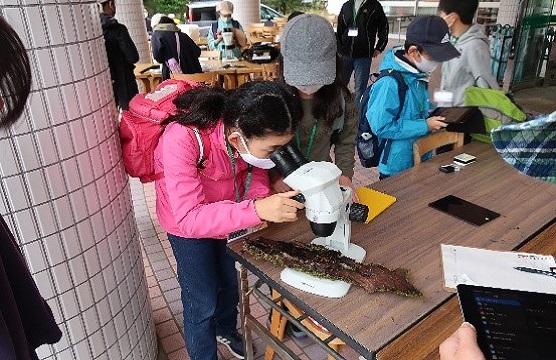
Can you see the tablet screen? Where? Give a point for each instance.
(465, 210)
(511, 324)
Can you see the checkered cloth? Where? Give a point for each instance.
(530, 146)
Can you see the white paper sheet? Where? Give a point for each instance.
(496, 269)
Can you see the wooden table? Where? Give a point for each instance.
(150, 79)
(234, 72)
(408, 235)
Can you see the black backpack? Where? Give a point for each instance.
(369, 148)
(261, 53)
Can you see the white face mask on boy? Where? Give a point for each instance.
(253, 160)
(426, 65)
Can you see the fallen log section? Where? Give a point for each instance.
(325, 263)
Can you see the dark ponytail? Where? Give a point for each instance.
(201, 107)
(257, 108)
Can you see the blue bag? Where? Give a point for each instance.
(369, 148)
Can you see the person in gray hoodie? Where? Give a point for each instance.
(472, 68)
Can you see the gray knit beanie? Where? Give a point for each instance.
(308, 46)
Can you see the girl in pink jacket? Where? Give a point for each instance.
(198, 208)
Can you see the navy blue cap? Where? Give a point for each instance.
(433, 35)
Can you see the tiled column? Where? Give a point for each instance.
(507, 13)
(247, 11)
(64, 192)
(130, 13)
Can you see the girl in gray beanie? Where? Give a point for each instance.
(310, 65)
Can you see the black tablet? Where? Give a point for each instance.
(467, 119)
(464, 210)
(511, 324)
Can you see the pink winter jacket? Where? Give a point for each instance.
(195, 203)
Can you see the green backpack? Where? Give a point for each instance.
(497, 108)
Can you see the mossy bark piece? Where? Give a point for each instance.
(325, 263)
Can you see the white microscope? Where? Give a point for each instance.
(329, 209)
(228, 38)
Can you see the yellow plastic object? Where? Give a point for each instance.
(375, 200)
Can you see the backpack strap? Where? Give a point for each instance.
(402, 87)
(214, 29)
(178, 47)
(204, 147)
(402, 90)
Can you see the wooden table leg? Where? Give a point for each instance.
(277, 326)
(146, 84)
(230, 81)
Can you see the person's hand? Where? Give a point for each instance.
(346, 182)
(279, 186)
(218, 36)
(278, 207)
(462, 345)
(375, 54)
(436, 123)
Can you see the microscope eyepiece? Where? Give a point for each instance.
(288, 158)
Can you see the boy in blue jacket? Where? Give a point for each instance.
(427, 45)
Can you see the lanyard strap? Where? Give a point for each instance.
(249, 173)
(311, 139)
(356, 10)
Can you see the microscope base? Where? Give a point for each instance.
(319, 286)
(353, 251)
(314, 285)
(229, 59)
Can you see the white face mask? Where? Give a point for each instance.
(309, 89)
(448, 22)
(426, 65)
(253, 160)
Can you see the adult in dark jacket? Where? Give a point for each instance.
(164, 47)
(362, 35)
(122, 54)
(26, 320)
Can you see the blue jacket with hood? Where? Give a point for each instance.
(383, 106)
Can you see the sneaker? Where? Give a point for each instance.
(294, 331)
(234, 343)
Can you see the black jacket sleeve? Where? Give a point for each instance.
(128, 46)
(157, 48)
(343, 24)
(382, 29)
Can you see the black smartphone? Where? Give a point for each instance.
(464, 210)
(447, 168)
(511, 324)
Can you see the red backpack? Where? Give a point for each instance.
(140, 128)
